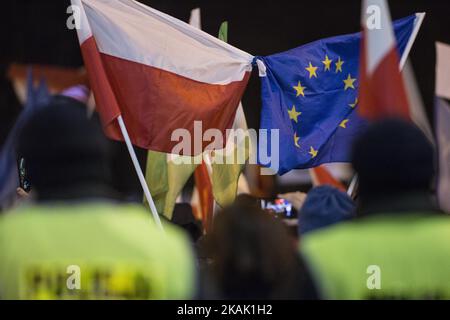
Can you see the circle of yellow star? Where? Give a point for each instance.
(354, 103)
(339, 64)
(293, 114)
(312, 152)
(349, 82)
(299, 89)
(343, 124)
(327, 63)
(296, 138)
(312, 70)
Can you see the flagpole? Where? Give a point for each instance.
(139, 172)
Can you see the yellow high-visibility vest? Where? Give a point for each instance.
(382, 257)
(92, 251)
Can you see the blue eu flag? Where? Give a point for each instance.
(310, 95)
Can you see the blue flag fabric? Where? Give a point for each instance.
(310, 95)
(9, 175)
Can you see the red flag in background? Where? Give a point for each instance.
(321, 176)
(382, 92)
(206, 199)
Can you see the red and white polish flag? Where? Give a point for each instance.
(158, 72)
(382, 91)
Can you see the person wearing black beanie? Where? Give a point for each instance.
(77, 240)
(395, 163)
(398, 246)
(67, 155)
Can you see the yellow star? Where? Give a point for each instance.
(296, 138)
(339, 64)
(299, 89)
(354, 103)
(312, 152)
(327, 63)
(349, 82)
(293, 114)
(312, 70)
(344, 123)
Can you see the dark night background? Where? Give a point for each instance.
(34, 31)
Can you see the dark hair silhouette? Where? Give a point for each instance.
(254, 256)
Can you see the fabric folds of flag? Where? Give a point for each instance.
(310, 94)
(159, 73)
(164, 177)
(382, 92)
(226, 173)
